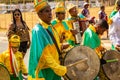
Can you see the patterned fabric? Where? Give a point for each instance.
(21, 31)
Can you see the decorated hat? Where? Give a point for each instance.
(14, 41)
(40, 4)
(60, 7)
(118, 2)
(70, 6)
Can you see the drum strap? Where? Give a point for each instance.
(55, 42)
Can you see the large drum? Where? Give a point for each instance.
(83, 63)
(112, 67)
(4, 73)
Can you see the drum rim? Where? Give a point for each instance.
(5, 68)
(102, 65)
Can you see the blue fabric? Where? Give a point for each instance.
(54, 22)
(40, 39)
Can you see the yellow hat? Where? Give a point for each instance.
(60, 7)
(70, 6)
(14, 41)
(40, 4)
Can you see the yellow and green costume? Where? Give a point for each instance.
(44, 59)
(92, 40)
(5, 59)
(62, 28)
(13, 61)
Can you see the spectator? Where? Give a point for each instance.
(85, 10)
(19, 27)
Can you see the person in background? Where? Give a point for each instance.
(13, 59)
(19, 27)
(114, 27)
(44, 63)
(103, 15)
(116, 9)
(85, 10)
(114, 32)
(91, 38)
(75, 21)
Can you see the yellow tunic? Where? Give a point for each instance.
(63, 32)
(5, 59)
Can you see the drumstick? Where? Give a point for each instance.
(77, 62)
(111, 60)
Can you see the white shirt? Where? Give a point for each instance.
(114, 29)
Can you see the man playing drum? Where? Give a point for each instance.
(13, 59)
(91, 37)
(44, 63)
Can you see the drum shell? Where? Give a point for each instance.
(4, 73)
(87, 70)
(112, 69)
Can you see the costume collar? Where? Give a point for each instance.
(92, 28)
(58, 20)
(45, 25)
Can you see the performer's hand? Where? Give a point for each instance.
(103, 50)
(28, 44)
(62, 37)
(65, 46)
(117, 47)
(74, 32)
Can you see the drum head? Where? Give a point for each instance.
(85, 70)
(112, 69)
(4, 74)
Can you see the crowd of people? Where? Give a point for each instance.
(52, 38)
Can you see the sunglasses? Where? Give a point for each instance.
(60, 13)
(16, 14)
